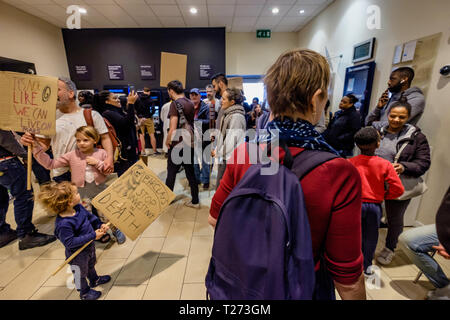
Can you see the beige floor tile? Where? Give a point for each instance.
(160, 227)
(167, 279)
(126, 292)
(198, 259)
(119, 251)
(62, 278)
(178, 239)
(193, 291)
(139, 266)
(30, 280)
(110, 267)
(388, 290)
(185, 213)
(52, 293)
(414, 291)
(18, 261)
(400, 267)
(202, 227)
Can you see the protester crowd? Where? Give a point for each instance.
(338, 173)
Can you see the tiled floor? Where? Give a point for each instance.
(168, 261)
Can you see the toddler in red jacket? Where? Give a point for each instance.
(379, 182)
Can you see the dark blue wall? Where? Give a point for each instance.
(131, 48)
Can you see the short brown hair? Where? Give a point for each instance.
(294, 78)
(56, 196)
(89, 132)
(235, 94)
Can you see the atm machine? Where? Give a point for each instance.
(358, 81)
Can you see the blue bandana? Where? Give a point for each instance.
(296, 134)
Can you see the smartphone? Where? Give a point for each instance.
(131, 89)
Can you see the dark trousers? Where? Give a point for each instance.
(67, 176)
(14, 177)
(173, 168)
(370, 223)
(83, 266)
(395, 211)
(123, 165)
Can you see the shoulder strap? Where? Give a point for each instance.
(397, 156)
(88, 117)
(308, 160)
(182, 119)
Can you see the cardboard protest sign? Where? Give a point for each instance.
(135, 200)
(28, 103)
(236, 82)
(173, 67)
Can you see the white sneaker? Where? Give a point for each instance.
(385, 257)
(192, 205)
(440, 293)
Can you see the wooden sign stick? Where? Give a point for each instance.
(30, 158)
(74, 254)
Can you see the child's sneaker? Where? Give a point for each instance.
(91, 295)
(120, 237)
(101, 280)
(440, 293)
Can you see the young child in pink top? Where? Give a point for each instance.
(86, 166)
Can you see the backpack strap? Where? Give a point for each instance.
(87, 112)
(308, 160)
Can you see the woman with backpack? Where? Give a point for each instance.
(297, 93)
(108, 104)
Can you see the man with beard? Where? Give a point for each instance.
(220, 83)
(69, 118)
(399, 85)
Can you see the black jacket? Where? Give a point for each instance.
(342, 128)
(144, 106)
(203, 116)
(415, 158)
(9, 145)
(125, 128)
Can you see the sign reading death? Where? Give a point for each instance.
(135, 200)
(28, 103)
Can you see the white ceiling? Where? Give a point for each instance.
(235, 15)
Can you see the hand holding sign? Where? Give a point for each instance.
(28, 104)
(135, 200)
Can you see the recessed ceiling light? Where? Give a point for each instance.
(82, 10)
(193, 10)
(302, 11)
(275, 10)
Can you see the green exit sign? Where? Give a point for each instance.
(263, 33)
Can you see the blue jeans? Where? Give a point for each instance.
(370, 222)
(202, 174)
(14, 177)
(417, 243)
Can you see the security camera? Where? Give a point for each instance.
(445, 71)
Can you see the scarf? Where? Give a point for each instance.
(296, 134)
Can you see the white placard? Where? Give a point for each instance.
(398, 54)
(409, 50)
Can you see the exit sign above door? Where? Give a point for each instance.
(263, 33)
